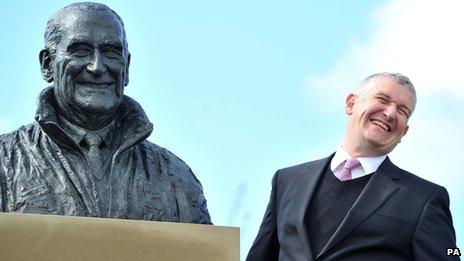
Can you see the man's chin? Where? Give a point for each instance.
(380, 147)
(98, 106)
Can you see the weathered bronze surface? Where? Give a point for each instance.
(87, 153)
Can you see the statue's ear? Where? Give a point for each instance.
(46, 65)
(126, 71)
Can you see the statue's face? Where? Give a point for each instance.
(90, 65)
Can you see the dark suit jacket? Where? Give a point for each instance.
(398, 216)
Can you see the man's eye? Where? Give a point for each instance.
(403, 112)
(80, 51)
(382, 100)
(111, 52)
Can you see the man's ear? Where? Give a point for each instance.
(46, 65)
(126, 70)
(349, 103)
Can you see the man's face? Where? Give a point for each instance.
(90, 66)
(378, 119)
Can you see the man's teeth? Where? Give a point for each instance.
(381, 124)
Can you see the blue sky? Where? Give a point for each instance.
(239, 89)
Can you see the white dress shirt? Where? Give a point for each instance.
(368, 164)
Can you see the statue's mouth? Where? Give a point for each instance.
(95, 85)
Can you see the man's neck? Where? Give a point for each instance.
(94, 123)
(87, 121)
(358, 150)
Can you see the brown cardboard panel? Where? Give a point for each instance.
(45, 237)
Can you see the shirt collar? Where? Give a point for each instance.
(368, 164)
(77, 133)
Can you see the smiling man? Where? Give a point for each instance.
(356, 204)
(87, 153)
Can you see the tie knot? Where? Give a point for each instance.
(351, 163)
(93, 139)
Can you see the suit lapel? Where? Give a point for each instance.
(309, 180)
(379, 188)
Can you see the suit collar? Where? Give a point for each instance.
(379, 188)
(309, 177)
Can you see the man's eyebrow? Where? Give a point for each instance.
(114, 43)
(74, 42)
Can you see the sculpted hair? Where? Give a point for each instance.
(400, 79)
(53, 31)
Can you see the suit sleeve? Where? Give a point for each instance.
(266, 245)
(434, 232)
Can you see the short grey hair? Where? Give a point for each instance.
(400, 79)
(53, 30)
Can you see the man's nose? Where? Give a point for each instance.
(390, 111)
(96, 65)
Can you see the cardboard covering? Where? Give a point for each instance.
(45, 237)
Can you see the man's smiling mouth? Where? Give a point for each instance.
(383, 125)
(93, 85)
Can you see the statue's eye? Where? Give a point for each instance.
(112, 52)
(81, 50)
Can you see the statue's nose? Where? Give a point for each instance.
(96, 66)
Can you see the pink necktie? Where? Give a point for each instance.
(345, 173)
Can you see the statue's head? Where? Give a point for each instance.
(87, 59)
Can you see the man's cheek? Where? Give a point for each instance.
(116, 70)
(72, 68)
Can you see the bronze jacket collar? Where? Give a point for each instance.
(132, 122)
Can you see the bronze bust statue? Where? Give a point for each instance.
(87, 153)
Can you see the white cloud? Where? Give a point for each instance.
(423, 40)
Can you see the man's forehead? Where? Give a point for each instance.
(87, 38)
(81, 27)
(88, 20)
(395, 91)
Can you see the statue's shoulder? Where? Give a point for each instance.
(20, 141)
(173, 164)
(25, 134)
(188, 189)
